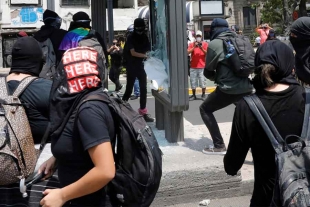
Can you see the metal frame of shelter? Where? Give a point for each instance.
(169, 107)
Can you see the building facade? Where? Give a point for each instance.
(241, 13)
(27, 15)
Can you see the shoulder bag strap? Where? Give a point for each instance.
(23, 85)
(254, 108)
(4, 89)
(268, 120)
(306, 128)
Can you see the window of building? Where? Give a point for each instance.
(211, 7)
(75, 2)
(28, 2)
(249, 16)
(207, 30)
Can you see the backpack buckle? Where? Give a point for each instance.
(140, 139)
(23, 188)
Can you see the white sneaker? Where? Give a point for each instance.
(211, 150)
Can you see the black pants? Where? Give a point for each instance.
(132, 74)
(215, 101)
(114, 76)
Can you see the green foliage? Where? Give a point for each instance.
(253, 36)
(273, 13)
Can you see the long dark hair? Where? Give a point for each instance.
(263, 76)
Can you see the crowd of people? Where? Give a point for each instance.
(280, 77)
(81, 134)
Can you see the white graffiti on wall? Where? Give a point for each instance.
(27, 17)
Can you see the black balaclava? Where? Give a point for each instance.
(271, 35)
(76, 70)
(51, 18)
(80, 19)
(281, 57)
(139, 26)
(218, 26)
(301, 44)
(27, 57)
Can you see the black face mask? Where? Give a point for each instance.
(139, 32)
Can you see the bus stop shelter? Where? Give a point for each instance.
(170, 104)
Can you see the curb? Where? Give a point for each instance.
(199, 90)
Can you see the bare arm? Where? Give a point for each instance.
(189, 51)
(203, 50)
(94, 180)
(137, 54)
(110, 49)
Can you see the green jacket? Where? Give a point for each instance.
(217, 69)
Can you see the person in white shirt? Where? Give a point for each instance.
(257, 41)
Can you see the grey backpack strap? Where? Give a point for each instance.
(306, 126)
(3, 88)
(23, 85)
(263, 118)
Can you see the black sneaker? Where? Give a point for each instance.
(211, 150)
(148, 118)
(134, 97)
(192, 98)
(203, 97)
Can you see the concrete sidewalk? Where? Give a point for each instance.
(191, 176)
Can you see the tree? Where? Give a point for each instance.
(280, 12)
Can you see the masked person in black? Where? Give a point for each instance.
(81, 132)
(284, 101)
(300, 39)
(27, 62)
(230, 87)
(116, 54)
(51, 30)
(137, 45)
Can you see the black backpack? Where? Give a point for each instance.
(242, 60)
(292, 157)
(138, 158)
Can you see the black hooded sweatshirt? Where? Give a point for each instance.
(55, 35)
(286, 110)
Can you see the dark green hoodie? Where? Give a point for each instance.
(224, 77)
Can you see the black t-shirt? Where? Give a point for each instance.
(116, 57)
(141, 44)
(286, 109)
(36, 97)
(94, 125)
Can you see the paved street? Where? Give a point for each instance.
(192, 115)
(224, 117)
(243, 201)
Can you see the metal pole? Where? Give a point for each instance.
(51, 5)
(98, 12)
(136, 5)
(111, 25)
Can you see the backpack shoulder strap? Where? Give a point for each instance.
(23, 85)
(3, 88)
(306, 128)
(263, 118)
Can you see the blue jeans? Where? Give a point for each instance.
(136, 88)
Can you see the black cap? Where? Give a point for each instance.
(49, 17)
(139, 23)
(219, 22)
(81, 16)
(26, 56)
